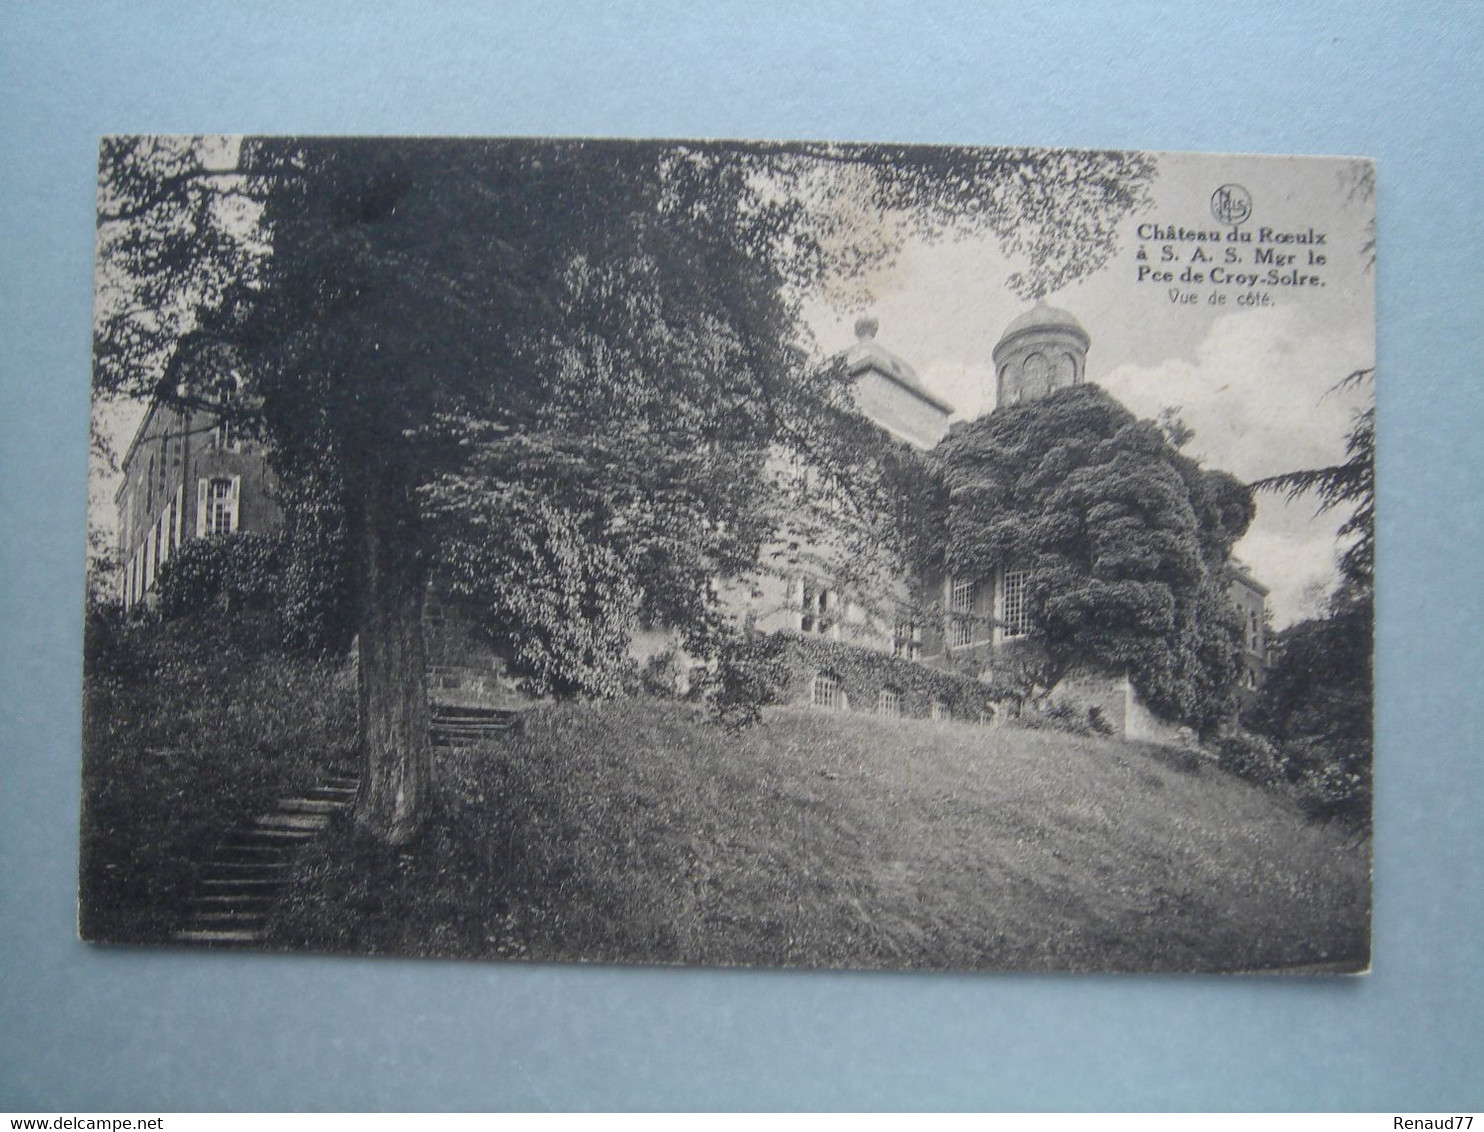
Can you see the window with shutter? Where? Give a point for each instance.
(234, 497)
(202, 487)
(219, 502)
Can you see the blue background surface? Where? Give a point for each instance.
(92, 1028)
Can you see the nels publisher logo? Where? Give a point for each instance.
(1231, 204)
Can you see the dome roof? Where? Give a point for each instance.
(1043, 317)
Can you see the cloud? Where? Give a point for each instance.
(1259, 396)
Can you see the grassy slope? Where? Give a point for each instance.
(634, 831)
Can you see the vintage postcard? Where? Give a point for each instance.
(771, 553)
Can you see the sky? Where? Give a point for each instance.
(1254, 382)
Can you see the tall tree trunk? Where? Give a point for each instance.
(393, 693)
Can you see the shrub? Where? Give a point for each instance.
(1330, 783)
(241, 572)
(293, 586)
(662, 676)
(752, 672)
(1251, 757)
(1059, 715)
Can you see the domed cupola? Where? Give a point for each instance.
(1042, 350)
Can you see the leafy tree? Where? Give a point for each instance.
(1351, 483)
(1316, 701)
(554, 370)
(1123, 537)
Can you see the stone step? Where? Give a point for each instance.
(224, 881)
(219, 935)
(339, 795)
(220, 919)
(287, 836)
(280, 820)
(308, 806)
(235, 904)
(209, 901)
(217, 884)
(264, 866)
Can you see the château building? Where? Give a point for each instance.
(1043, 350)
(979, 623)
(187, 476)
(1250, 597)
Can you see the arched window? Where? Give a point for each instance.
(1035, 375)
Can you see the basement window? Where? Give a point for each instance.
(825, 692)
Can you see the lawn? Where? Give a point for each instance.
(637, 831)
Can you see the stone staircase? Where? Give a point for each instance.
(248, 868)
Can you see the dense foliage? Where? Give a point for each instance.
(777, 669)
(233, 573)
(536, 365)
(1316, 703)
(1124, 539)
(291, 582)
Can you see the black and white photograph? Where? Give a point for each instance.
(731, 553)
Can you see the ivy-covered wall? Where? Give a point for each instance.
(784, 665)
